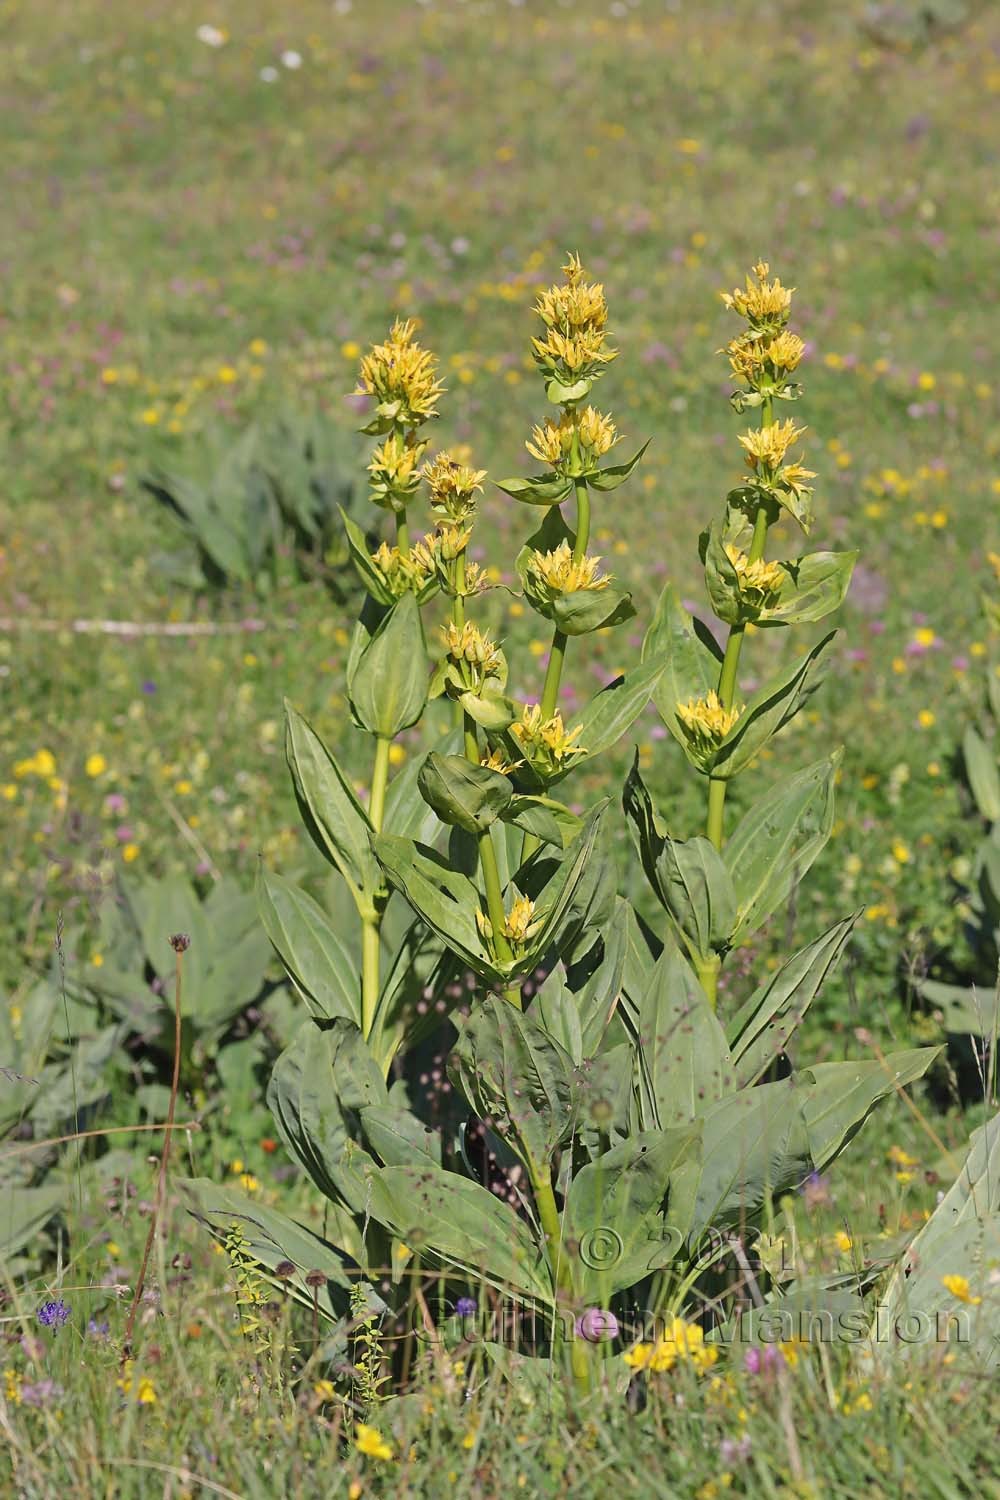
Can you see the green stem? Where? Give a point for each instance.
(708, 972)
(371, 920)
(402, 531)
(491, 876)
(557, 651)
(548, 1215)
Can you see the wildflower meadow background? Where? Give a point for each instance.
(211, 214)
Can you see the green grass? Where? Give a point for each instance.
(187, 246)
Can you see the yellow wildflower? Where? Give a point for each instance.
(13, 1380)
(453, 486)
(400, 376)
(497, 761)
(393, 468)
(706, 722)
(681, 1341)
(766, 446)
(144, 1391)
(552, 574)
(95, 765)
(404, 572)
(763, 303)
(370, 1442)
(547, 743)
(785, 351)
(958, 1286)
(552, 443)
(576, 305)
(467, 643)
(758, 580)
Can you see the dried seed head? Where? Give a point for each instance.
(180, 942)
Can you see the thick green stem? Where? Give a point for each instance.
(708, 972)
(548, 1215)
(371, 921)
(557, 651)
(491, 876)
(402, 531)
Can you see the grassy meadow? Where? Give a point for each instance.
(211, 212)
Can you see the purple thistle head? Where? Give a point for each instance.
(53, 1314)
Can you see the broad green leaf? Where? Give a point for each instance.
(983, 771)
(754, 1144)
(615, 709)
(688, 876)
(516, 1075)
(838, 1097)
(760, 1029)
(272, 1237)
(389, 688)
(318, 1087)
(445, 899)
(685, 1064)
(615, 474)
(542, 816)
(369, 575)
(624, 1199)
(596, 979)
(24, 1213)
(965, 1012)
(587, 610)
(316, 961)
(442, 1215)
(960, 1238)
(777, 840)
(605, 1085)
(814, 587)
(492, 710)
(691, 659)
(406, 813)
(463, 795)
(542, 489)
(769, 709)
(398, 1138)
(336, 821)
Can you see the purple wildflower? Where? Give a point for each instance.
(466, 1307)
(53, 1314)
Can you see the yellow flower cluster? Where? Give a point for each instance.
(466, 643)
(765, 447)
(142, 1390)
(520, 925)
(706, 722)
(497, 761)
(370, 1442)
(552, 574)
(759, 581)
(453, 486)
(681, 1342)
(405, 572)
(765, 304)
(575, 316)
(552, 442)
(959, 1288)
(393, 469)
(400, 376)
(750, 357)
(547, 743)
